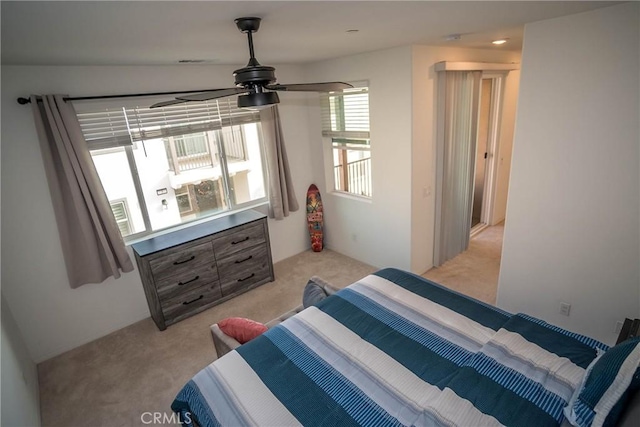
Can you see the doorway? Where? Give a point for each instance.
(466, 154)
(481, 151)
(486, 150)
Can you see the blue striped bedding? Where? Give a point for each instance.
(394, 349)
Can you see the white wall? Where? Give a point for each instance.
(572, 232)
(423, 151)
(20, 394)
(53, 317)
(377, 232)
(396, 228)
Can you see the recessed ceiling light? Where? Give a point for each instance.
(501, 41)
(452, 37)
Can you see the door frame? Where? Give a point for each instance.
(493, 149)
(497, 70)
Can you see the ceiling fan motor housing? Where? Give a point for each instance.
(255, 75)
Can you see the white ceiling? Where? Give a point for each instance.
(163, 32)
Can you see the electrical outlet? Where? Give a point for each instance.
(565, 308)
(617, 328)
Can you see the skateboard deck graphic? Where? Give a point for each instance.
(314, 217)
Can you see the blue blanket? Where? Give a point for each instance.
(394, 349)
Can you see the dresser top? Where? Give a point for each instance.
(194, 232)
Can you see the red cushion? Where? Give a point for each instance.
(241, 329)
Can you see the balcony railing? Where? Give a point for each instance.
(356, 179)
(196, 161)
(180, 161)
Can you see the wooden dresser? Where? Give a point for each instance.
(187, 271)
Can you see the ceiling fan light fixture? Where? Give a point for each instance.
(258, 100)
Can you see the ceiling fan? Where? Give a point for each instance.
(255, 83)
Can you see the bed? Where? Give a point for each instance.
(396, 349)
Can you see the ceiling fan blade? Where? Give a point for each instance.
(311, 87)
(166, 103)
(213, 94)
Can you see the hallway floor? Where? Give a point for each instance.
(475, 271)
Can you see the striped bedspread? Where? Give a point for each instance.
(394, 349)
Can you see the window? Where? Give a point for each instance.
(121, 214)
(183, 198)
(166, 166)
(345, 120)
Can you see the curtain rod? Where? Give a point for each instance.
(24, 101)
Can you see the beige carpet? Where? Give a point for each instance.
(114, 380)
(475, 271)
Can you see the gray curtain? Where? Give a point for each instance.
(282, 197)
(92, 246)
(459, 95)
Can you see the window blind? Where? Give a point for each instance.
(122, 218)
(115, 127)
(345, 116)
(106, 128)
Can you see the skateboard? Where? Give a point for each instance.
(314, 217)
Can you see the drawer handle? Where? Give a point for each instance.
(240, 261)
(247, 278)
(186, 260)
(240, 241)
(193, 300)
(188, 281)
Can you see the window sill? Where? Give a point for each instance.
(157, 233)
(345, 195)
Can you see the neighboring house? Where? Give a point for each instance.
(573, 219)
(184, 176)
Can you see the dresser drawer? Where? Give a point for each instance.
(232, 285)
(241, 270)
(238, 239)
(179, 261)
(189, 302)
(172, 286)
